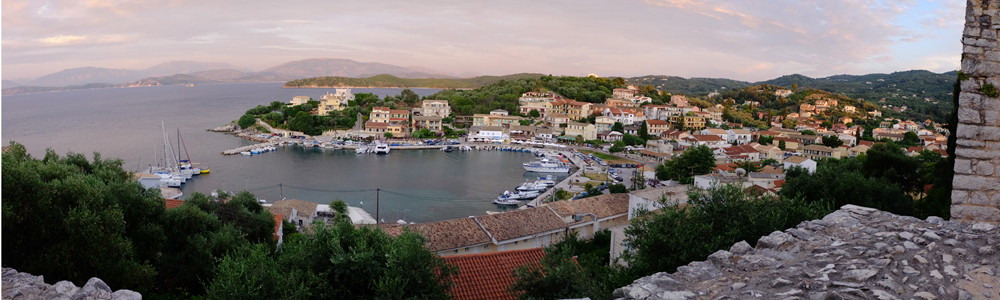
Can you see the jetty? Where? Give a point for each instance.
(251, 148)
(564, 184)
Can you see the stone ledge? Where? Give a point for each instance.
(18, 285)
(853, 253)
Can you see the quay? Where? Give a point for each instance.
(564, 184)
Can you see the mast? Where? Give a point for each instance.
(178, 145)
(185, 147)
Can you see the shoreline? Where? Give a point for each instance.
(374, 87)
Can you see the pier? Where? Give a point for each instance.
(257, 147)
(564, 184)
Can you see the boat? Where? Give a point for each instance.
(360, 150)
(506, 201)
(545, 166)
(205, 171)
(381, 148)
(246, 153)
(520, 195)
(447, 148)
(548, 180)
(533, 186)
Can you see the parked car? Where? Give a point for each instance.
(394, 144)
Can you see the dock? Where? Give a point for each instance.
(564, 184)
(257, 147)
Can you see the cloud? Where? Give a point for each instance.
(63, 39)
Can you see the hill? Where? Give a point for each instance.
(692, 86)
(86, 75)
(390, 81)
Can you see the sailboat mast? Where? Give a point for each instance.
(178, 145)
(185, 146)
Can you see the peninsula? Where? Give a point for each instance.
(390, 81)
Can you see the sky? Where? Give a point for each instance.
(737, 39)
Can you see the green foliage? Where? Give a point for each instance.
(844, 182)
(716, 219)
(781, 145)
(246, 121)
(695, 161)
(807, 132)
(765, 140)
(617, 189)
(534, 113)
(337, 262)
(573, 268)
(617, 146)
(387, 135)
(644, 131)
(70, 218)
(631, 140)
(938, 200)
(832, 141)
(504, 94)
(618, 126)
(989, 90)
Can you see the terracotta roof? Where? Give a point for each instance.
(487, 275)
(866, 143)
(707, 138)
(778, 183)
(376, 124)
(173, 203)
(602, 205)
(277, 225)
(381, 108)
(305, 208)
(285, 212)
(796, 159)
(399, 111)
(657, 122)
(521, 223)
(447, 234)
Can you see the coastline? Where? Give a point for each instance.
(374, 87)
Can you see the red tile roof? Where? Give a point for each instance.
(277, 225)
(447, 234)
(173, 203)
(657, 122)
(520, 223)
(487, 275)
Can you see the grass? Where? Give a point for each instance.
(596, 176)
(611, 159)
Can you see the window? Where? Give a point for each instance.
(456, 251)
(466, 249)
(515, 242)
(486, 246)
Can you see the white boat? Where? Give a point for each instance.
(246, 153)
(520, 195)
(546, 166)
(548, 180)
(532, 186)
(381, 148)
(360, 150)
(506, 201)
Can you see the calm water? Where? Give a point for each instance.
(418, 186)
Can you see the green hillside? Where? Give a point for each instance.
(389, 81)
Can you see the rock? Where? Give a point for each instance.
(935, 220)
(741, 248)
(924, 295)
(936, 274)
(982, 226)
(883, 295)
(931, 236)
(738, 285)
(910, 271)
(841, 218)
(775, 240)
(126, 295)
(985, 250)
(793, 292)
(675, 295)
(721, 258)
(859, 275)
(950, 270)
(905, 235)
(963, 295)
(698, 271)
(951, 242)
(95, 288)
(910, 245)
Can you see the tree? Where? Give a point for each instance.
(748, 166)
(765, 140)
(572, 268)
(644, 131)
(807, 132)
(910, 139)
(631, 140)
(339, 207)
(827, 124)
(781, 145)
(387, 135)
(618, 127)
(694, 161)
(73, 219)
(842, 181)
(832, 141)
(617, 146)
(617, 189)
(788, 123)
(246, 121)
(534, 114)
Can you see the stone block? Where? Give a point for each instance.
(959, 196)
(970, 85)
(963, 166)
(972, 50)
(968, 115)
(967, 131)
(986, 68)
(978, 213)
(975, 183)
(992, 55)
(972, 31)
(979, 198)
(991, 118)
(989, 34)
(989, 133)
(984, 168)
(975, 153)
(971, 143)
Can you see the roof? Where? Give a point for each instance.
(277, 225)
(376, 124)
(280, 211)
(602, 205)
(796, 159)
(521, 223)
(740, 131)
(435, 101)
(487, 275)
(305, 208)
(173, 203)
(707, 138)
(716, 131)
(427, 118)
(381, 108)
(673, 193)
(657, 122)
(869, 144)
(447, 234)
(818, 147)
(399, 111)
(490, 128)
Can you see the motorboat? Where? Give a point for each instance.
(360, 150)
(532, 186)
(506, 201)
(381, 148)
(520, 195)
(246, 153)
(546, 165)
(447, 148)
(548, 180)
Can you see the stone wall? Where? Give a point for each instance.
(853, 253)
(976, 193)
(19, 285)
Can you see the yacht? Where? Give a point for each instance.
(534, 186)
(381, 148)
(546, 165)
(506, 201)
(520, 195)
(548, 180)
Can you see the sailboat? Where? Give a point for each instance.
(186, 164)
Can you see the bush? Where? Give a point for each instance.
(246, 121)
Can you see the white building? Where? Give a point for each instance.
(799, 161)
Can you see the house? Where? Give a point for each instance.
(526, 109)
(297, 100)
(715, 113)
(799, 161)
(878, 135)
(657, 127)
(490, 132)
(815, 152)
(679, 100)
(336, 101)
(438, 108)
(783, 93)
(673, 134)
(577, 110)
(712, 141)
(690, 122)
(805, 107)
(278, 229)
(487, 275)
(379, 114)
(722, 133)
(556, 119)
(632, 130)
(848, 139)
(376, 127)
(739, 136)
(790, 144)
(588, 131)
(399, 121)
(857, 150)
(624, 93)
(806, 139)
(544, 133)
(845, 120)
(741, 153)
(610, 136)
(302, 213)
(850, 109)
(432, 123)
(604, 123)
(769, 152)
(623, 115)
(495, 118)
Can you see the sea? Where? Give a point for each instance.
(125, 123)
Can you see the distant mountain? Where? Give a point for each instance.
(85, 75)
(9, 84)
(685, 86)
(338, 67)
(389, 81)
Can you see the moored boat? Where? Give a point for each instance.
(546, 166)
